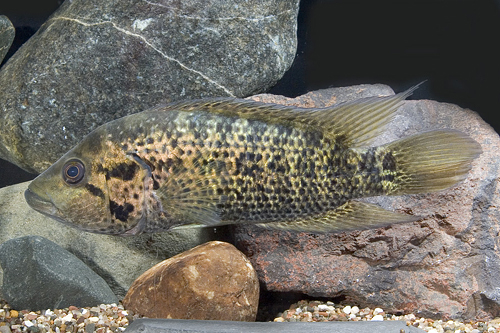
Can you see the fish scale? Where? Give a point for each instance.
(222, 161)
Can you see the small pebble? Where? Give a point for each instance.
(347, 309)
(323, 307)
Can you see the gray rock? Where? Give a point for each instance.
(118, 260)
(39, 274)
(7, 34)
(446, 265)
(94, 61)
(216, 326)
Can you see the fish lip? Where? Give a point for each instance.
(41, 205)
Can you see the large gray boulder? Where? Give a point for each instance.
(7, 33)
(39, 274)
(94, 61)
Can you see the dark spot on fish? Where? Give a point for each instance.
(388, 162)
(150, 141)
(388, 177)
(156, 185)
(361, 164)
(173, 143)
(136, 196)
(125, 146)
(140, 143)
(121, 212)
(94, 190)
(271, 165)
(123, 171)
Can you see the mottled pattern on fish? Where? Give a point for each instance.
(228, 161)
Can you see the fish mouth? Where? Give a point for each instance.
(42, 205)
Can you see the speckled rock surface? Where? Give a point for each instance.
(94, 61)
(119, 260)
(39, 274)
(446, 265)
(7, 33)
(213, 281)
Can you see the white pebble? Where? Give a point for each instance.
(354, 310)
(347, 309)
(378, 318)
(68, 317)
(298, 310)
(352, 315)
(94, 319)
(28, 323)
(376, 311)
(432, 330)
(323, 307)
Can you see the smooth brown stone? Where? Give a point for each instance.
(213, 281)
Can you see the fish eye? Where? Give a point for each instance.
(73, 172)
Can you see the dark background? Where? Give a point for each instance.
(454, 45)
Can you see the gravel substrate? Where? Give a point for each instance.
(114, 318)
(328, 311)
(100, 319)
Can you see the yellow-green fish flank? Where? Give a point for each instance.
(221, 161)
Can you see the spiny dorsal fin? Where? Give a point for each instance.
(356, 122)
(353, 215)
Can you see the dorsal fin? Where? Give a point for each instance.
(356, 122)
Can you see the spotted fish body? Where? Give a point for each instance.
(221, 161)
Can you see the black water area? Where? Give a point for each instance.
(451, 44)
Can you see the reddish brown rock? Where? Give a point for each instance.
(213, 281)
(445, 265)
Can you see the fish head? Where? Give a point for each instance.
(95, 187)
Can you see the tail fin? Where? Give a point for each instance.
(432, 161)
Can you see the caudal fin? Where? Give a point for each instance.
(432, 161)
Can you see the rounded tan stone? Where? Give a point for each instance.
(213, 281)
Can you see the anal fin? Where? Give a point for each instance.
(353, 215)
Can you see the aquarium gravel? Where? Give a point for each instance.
(314, 311)
(107, 318)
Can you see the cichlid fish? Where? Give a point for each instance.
(221, 161)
